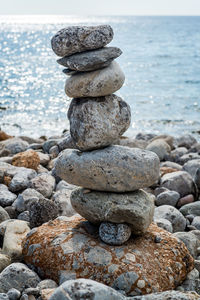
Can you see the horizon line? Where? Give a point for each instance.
(101, 15)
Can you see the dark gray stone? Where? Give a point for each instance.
(167, 198)
(192, 166)
(197, 178)
(114, 234)
(41, 211)
(75, 39)
(186, 141)
(191, 209)
(3, 214)
(90, 60)
(44, 184)
(196, 222)
(13, 146)
(21, 179)
(69, 72)
(13, 294)
(93, 126)
(18, 276)
(190, 241)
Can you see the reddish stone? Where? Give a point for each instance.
(28, 159)
(185, 200)
(4, 136)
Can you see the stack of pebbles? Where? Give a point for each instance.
(111, 176)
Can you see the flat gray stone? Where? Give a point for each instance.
(19, 276)
(136, 208)
(75, 39)
(6, 197)
(95, 83)
(69, 72)
(93, 126)
(90, 60)
(171, 214)
(167, 198)
(114, 234)
(113, 169)
(85, 289)
(180, 182)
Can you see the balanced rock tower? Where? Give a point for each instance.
(111, 177)
(113, 241)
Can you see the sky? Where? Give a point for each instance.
(101, 7)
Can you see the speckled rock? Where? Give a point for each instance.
(19, 276)
(44, 184)
(13, 294)
(75, 39)
(95, 83)
(154, 262)
(47, 284)
(171, 214)
(165, 224)
(41, 211)
(90, 60)
(21, 179)
(191, 209)
(6, 197)
(66, 143)
(27, 159)
(92, 125)
(14, 234)
(180, 182)
(114, 234)
(114, 169)
(136, 208)
(160, 147)
(85, 289)
(25, 198)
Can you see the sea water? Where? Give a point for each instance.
(161, 62)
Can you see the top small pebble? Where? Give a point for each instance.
(76, 39)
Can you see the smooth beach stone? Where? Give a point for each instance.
(92, 125)
(136, 208)
(44, 184)
(113, 169)
(85, 289)
(75, 39)
(168, 198)
(190, 240)
(180, 182)
(6, 197)
(191, 209)
(165, 224)
(160, 147)
(153, 262)
(69, 72)
(114, 234)
(172, 295)
(192, 166)
(95, 83)
(90, 60)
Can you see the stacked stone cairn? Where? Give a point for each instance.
(111, 176)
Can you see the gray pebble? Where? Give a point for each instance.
(13, 294)
(24, 216)
(47, 284)
(168, 198)
(3, 296)
(114, 234)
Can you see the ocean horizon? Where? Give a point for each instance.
(161, 62)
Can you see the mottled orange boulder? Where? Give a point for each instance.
(166, 170)
(28, 159)
(154, 262)
(4, 136)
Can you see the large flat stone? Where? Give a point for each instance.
(90, 60)
(136, 208)
(75, 39)
(95, 83)
(112, 169)
(153, 262)
(92, 125)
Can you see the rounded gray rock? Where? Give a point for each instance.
(168, 198)
(90, 60)
(44, 184)
(6, 197)
(196, 222)
(180, 182)
(114, 234)
(192, 166)
(113, 169)
(171, 214)
(18, 276)
(95, 83)
(92, 125)
(13, 294)
(136, 208)
(75, 39)
(190, 241)
(165, 224)
(85, 289)
(3, 214)
(191, 209)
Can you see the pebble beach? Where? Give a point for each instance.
(92, 213)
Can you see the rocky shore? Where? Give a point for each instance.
(93, 214)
